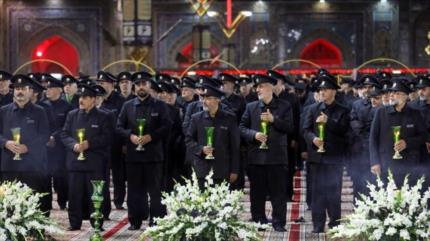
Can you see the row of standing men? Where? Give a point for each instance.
(174, 137)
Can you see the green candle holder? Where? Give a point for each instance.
(97, 216)
(321, 133)
(16, 135)
(209, 140)
(140, 128)
(396, 137)
(81, 135)
(264, 130)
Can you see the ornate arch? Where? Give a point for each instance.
(329, 36)
(81, 46)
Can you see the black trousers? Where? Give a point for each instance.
(326, 194)
(39, 182)
(80, 191)
(60, 187)
(291, 170)
(107, 207)
(268, 180)
(118, 176)
(144, 179)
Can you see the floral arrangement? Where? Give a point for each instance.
(212, 214)
(388, 214)
(20, 216)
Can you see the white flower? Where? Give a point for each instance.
(213, 213)
(388, 211)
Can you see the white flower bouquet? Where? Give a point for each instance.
(20, 216)
(212, 214)
(388, 214)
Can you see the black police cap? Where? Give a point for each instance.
(160, 77)
(423, 81)
(227, 77)
(123, 76)
(280, 76)
(399, 85)
(103, 76)
(188, 82)
(208, 80)
(369, 80)
(210, 90)
(5, 75)
(100, 91)
(68, 79)
(55, 83)
(260, 79)
(141, 76)
(327, 82)
(21, 80)
(86, 90)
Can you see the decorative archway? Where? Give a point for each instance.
(323, 53)
(58, 49)
(345, 48)
(81, 46)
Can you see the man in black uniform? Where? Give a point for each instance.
(95, 126)
(188, 94)
(113, 102)
(70, 90)
(144, 168)
(174, 144)
(282, 93)
(267, 168)
(413, 134)
(6, 96)
(360, 123)
(195, 107)
(237, 104)
(226, 140)
(246, 90)
(125, 85)
(56, 149)
(326, 167)
(28, 121)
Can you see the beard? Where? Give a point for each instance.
(423, 98)
(142, 94)
(394, 102)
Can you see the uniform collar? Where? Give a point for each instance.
(324, 106)
(26, 106)
(146, 101)
(217, 114)
(272, 104)
(392, 109)
(93, 110)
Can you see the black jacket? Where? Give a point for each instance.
(33, 121)
(226, 144)
(336, 128)
(413, 131)
(277, 131)
(157, 125)
(98, 126)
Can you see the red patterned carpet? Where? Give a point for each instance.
(117, 227)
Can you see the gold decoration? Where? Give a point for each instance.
(201, 6)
